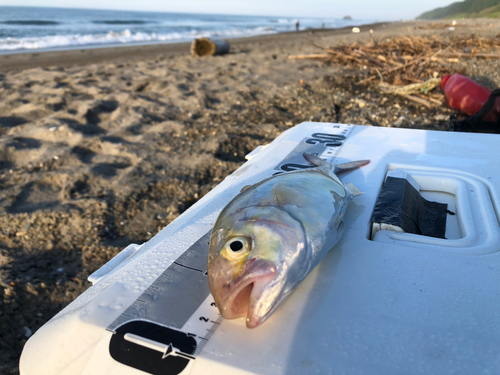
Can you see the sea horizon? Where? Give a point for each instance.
(27, 29)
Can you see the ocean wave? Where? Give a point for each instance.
(283, 21)
(30, 22)
(124, 37)
(121, 22)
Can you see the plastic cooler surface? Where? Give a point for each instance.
(391, 303)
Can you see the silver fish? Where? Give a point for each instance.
(272, 235)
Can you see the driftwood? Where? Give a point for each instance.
(417, 92)
(313, 56)
(414, 88)
(418, 100)
(208, 47)
(407, 59)
(481, 55)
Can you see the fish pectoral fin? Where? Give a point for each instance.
(354, 190)
(284, 195)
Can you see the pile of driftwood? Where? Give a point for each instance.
(408, 65)
(405, 60)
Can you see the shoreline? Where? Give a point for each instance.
(84, 55)
(104, 147)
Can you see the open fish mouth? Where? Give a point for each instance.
(246, 290)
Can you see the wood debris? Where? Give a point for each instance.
(437, 25)
(407, 60)
(414, 88)
(208, 47)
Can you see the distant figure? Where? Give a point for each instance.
(297, 25)
(323, 25)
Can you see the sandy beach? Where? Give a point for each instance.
(100, 148)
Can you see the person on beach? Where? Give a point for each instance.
(297, 25)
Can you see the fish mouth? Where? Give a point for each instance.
(246, 290)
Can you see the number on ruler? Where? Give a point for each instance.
(329, 140)
(203, 318)
(288, 167)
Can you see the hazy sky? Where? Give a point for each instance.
(367, 9)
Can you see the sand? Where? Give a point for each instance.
(104, 147)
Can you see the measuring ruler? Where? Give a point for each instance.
(168, 325)
(172, 320)
(325, 145)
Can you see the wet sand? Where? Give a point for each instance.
(100, 148)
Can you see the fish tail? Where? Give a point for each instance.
(314, 160)
(323, 165)
(339, 168)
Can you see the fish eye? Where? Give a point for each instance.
(236, 245)
(237, 248)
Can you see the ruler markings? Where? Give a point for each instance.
(191, 268)
(178, 303)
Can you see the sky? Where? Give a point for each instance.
(358, 9)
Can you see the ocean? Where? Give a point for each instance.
(29, 28)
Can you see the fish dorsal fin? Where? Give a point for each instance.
(245, 188)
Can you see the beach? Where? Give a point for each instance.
(104, 147)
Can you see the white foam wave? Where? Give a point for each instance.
(124, 37)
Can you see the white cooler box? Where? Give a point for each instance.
(379, 303)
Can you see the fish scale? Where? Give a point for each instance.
(272, 234)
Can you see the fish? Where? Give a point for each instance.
(273, 234)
